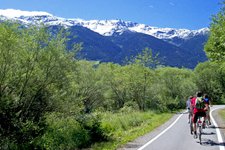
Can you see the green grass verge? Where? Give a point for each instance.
(125, 127)
(222, 114)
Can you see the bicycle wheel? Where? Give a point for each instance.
(191, 127)
(207, 123)
(200, 134)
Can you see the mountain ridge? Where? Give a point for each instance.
(113, 40)
(103, 27)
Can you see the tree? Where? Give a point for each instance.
(210, 79)
(146, 59)
(115, 79)
(35, 72)
(215, 46)
(175, 86)
(141, 76)
(89, 86)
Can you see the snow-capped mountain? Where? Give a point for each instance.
(115, 40)
(103, 27)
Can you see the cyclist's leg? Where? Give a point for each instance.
(191, 122)
(195, 117)
(189, 115)
(203, 114)
(209, 119)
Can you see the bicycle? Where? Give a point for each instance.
(207, 122)
(191, 121)
(200, 126)
(191, 126)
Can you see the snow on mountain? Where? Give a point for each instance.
(103, 27)
(109, 27)
(168, 33)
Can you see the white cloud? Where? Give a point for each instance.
(17, 13)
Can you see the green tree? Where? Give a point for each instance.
(35, 73)
(89, 86)
(175, 86)
(146, 59)
(215, 47)
(115, 85)
(141, 76)
(221, 77)
(210, 79)
(139, 81)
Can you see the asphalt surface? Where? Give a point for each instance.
(175, 135)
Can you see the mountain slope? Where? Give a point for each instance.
(95, 46)
(133, 43)
(113, 40)
(195, 46)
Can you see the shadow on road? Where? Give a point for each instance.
(213, 127)
(209, 142)
(131, 145)
(181, 113)
(207, 133)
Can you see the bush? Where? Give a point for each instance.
(63, 133)
(92, 124)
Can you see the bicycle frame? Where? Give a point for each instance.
(199, 128)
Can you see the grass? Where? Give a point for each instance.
(222, 114)
(124, 127)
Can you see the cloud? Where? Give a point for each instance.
(150, 6)
(11, 13)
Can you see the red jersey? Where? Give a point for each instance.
(193, 106)
(193, 102)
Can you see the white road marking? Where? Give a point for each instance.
(219, 136)
(141, 148)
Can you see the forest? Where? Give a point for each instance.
(51, 100)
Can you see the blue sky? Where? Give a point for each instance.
(188, 14)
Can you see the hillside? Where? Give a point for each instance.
(113, 40)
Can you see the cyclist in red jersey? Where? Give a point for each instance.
(198, 112)
(192, 105)
(192, 111)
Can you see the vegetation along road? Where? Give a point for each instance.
(52, 99)
(175, 134)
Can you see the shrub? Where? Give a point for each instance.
(92, 124)
(63, 133)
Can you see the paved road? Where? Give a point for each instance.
(175, 135)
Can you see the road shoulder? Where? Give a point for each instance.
(137, 143)
(220, 122)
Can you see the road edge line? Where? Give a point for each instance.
(164, 131)
(218, 133)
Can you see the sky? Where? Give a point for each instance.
(179, 14)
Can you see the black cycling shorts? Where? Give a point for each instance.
(199, 114)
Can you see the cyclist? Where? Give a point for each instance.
(207, 100)
(189, 108)
(199, 110)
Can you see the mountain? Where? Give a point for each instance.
(113, 40)
(132, 42)
(95, 46)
